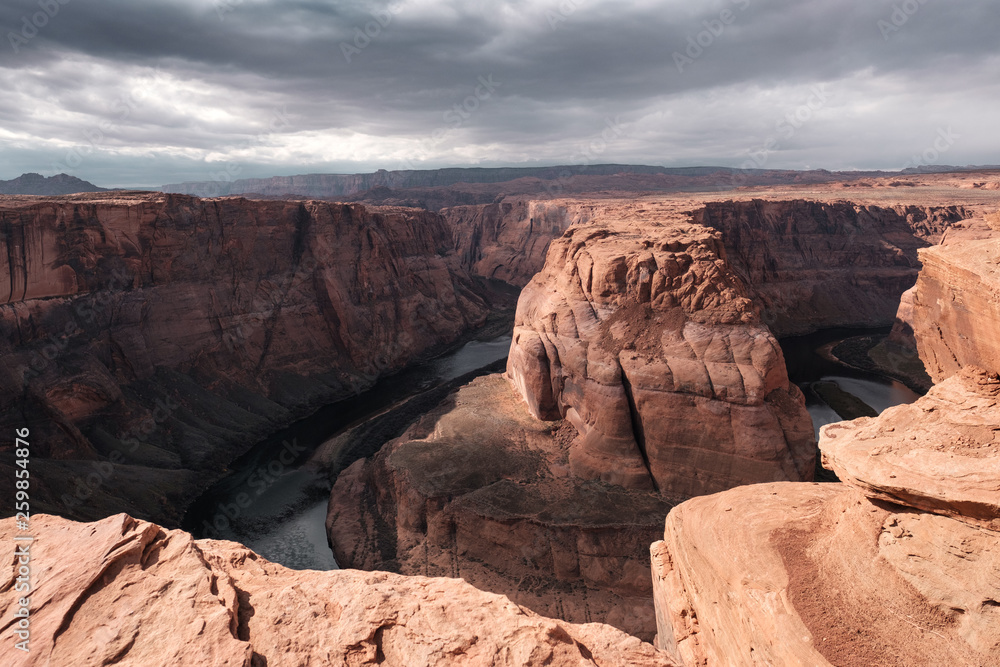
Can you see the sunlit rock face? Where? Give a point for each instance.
(122, 591)
(639, 332)
(955, 307)
(896, 566)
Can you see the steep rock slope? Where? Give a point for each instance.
(815, 265)
(127, 592)
(481, 490)
(161, 334)
(508, 240)
(954, 309)
(832, 574)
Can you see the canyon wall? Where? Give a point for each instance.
(640, 374)
(815, 265)
(159, 336)
(954, 309)
(121, 591)
(508, 240)
(809, 264)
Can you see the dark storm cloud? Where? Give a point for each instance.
(686, 82)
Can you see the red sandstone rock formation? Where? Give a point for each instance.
(956, 307)
(831, 574)
(481, 490)
(508, 241)
(639, 332)
(121, 591)
(947, 463)
(164, 334)
(643, 352)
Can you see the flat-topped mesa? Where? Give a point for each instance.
(955, 307)
(122, 591)
(165, 333)
(639, 332)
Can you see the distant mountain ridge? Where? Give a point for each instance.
(343, 185)
(36, 184)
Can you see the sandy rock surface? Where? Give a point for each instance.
(127, 592)
(940, 454)
(818, 574)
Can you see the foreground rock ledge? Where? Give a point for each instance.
(126, 592)
(940, 454)
(818, 574)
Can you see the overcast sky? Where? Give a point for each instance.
(147, 92)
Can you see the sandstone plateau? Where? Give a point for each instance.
(127, 592)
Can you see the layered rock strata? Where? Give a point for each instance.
(639, 374)
(836, 574)
(954, 308)
(814, 265)
(157, 336)
(508, 240)
(126, 592)
(646, 340)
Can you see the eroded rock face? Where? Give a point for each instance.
(956, 307)
(948, 461)
(815, 265)
(161, 335)
(835, 573)
(127, 592)
(508, 241)
(481, 490)
(641, 334)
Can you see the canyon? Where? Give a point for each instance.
(152, 339)
(648, 372)
(149, 339)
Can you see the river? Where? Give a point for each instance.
(274, 498)
(809, 367)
